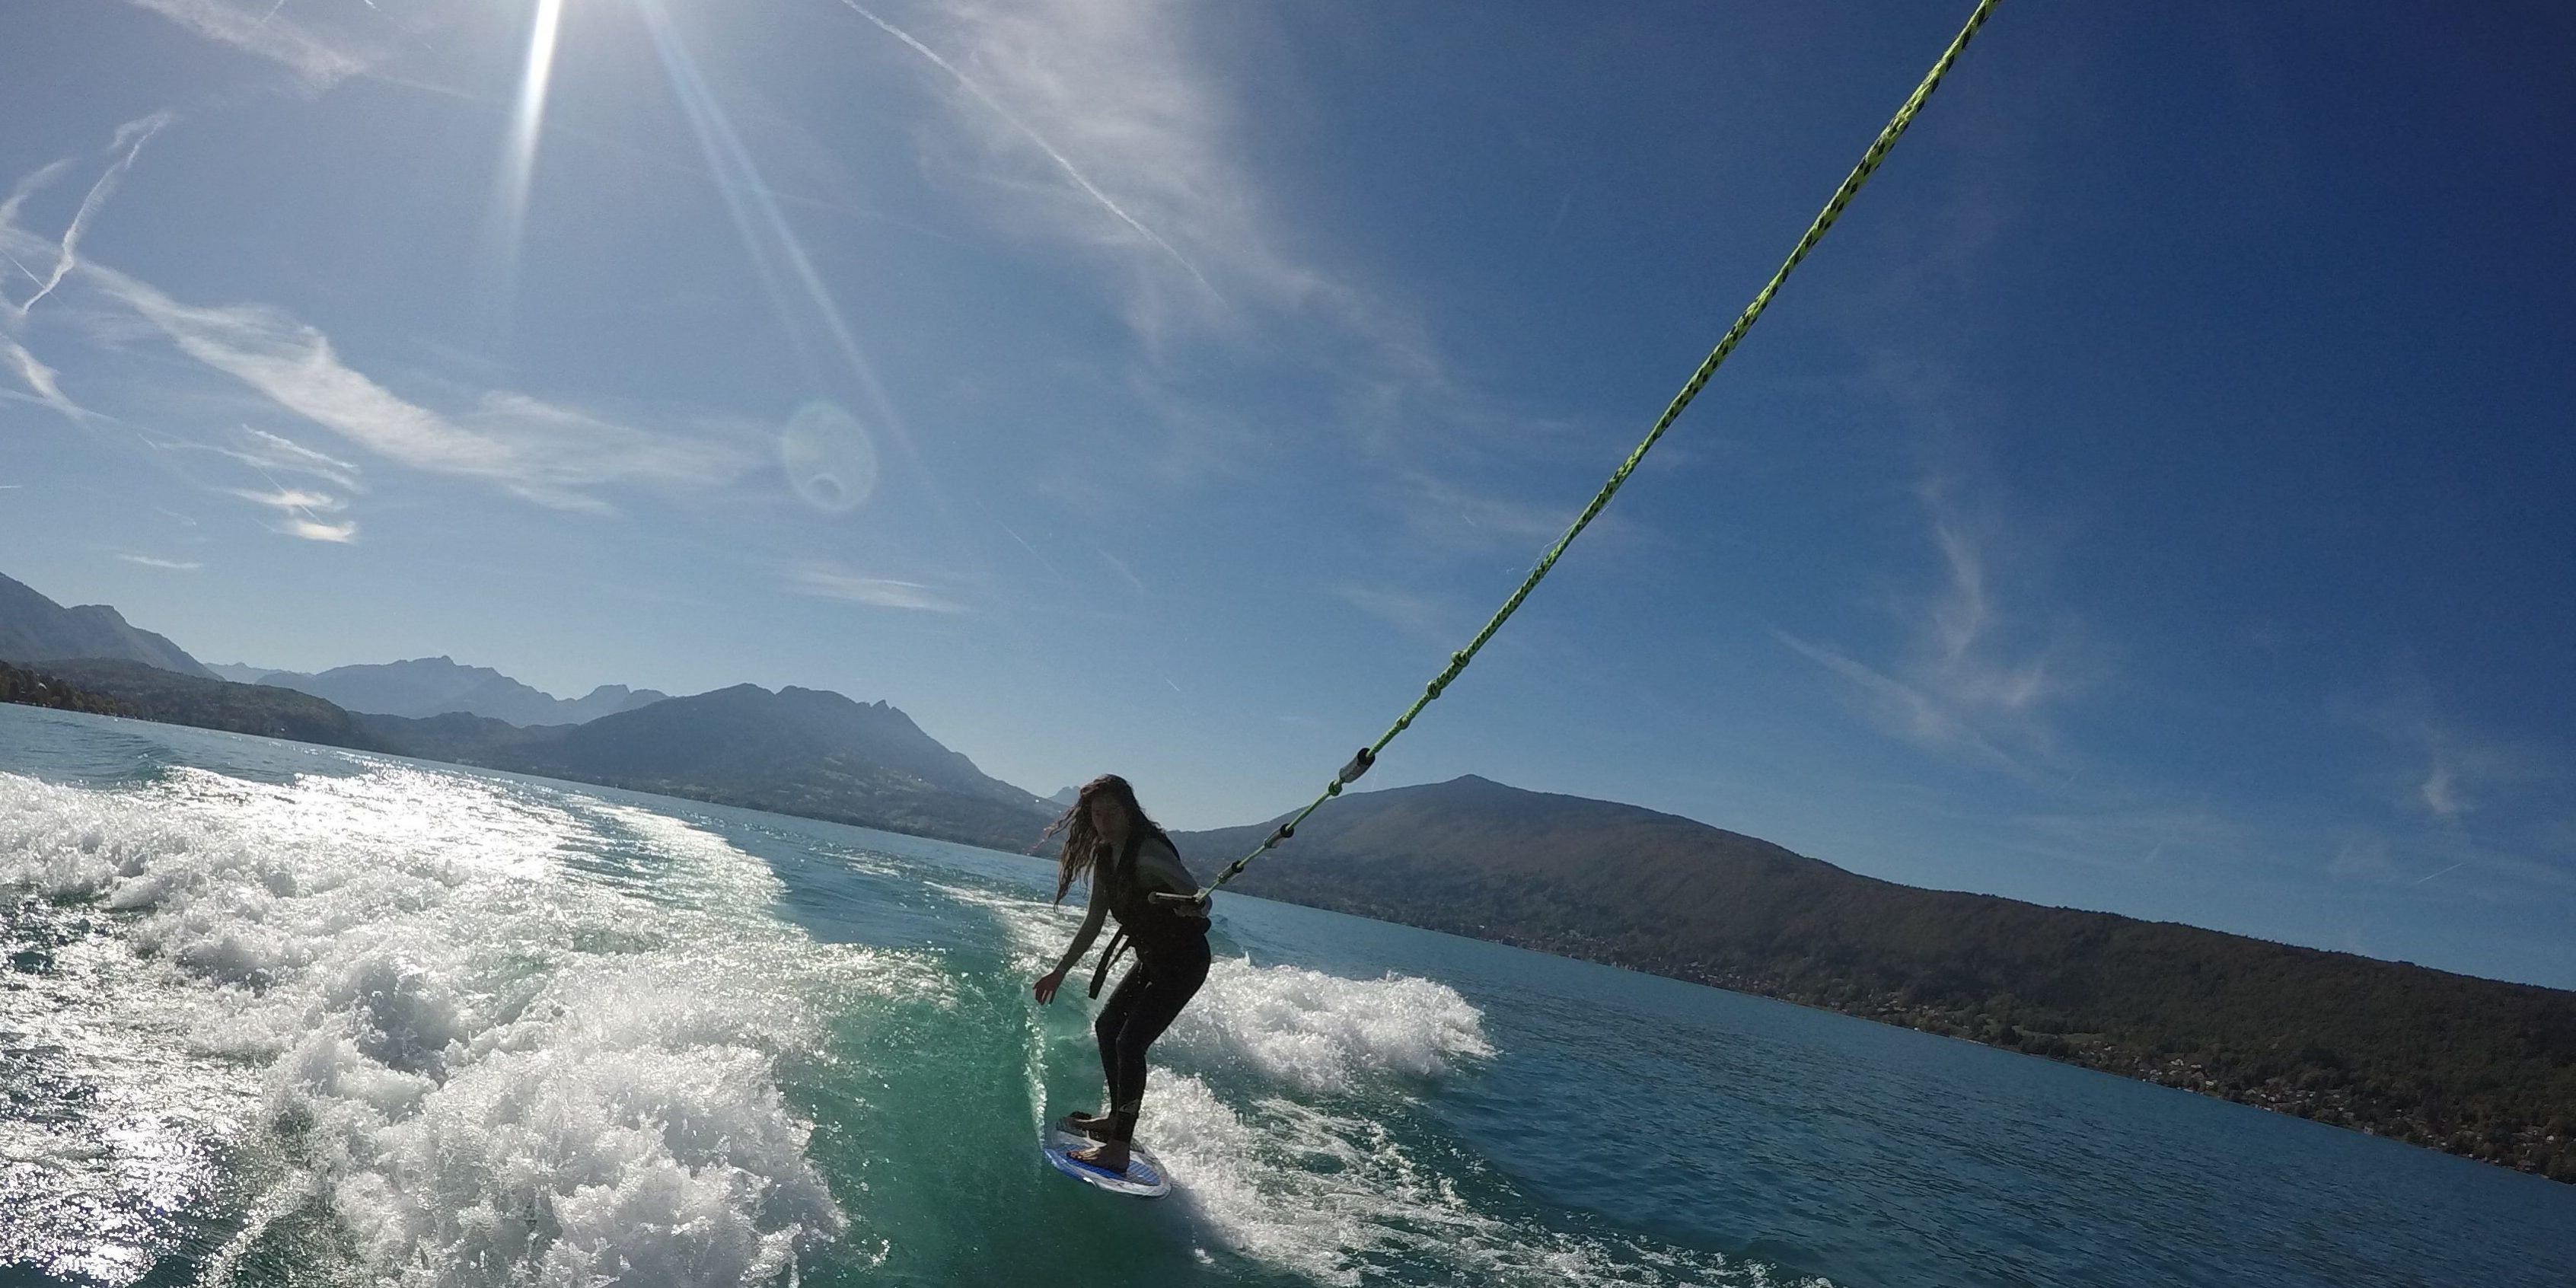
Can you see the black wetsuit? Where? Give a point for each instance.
(1171, 947)
(1146, 1001)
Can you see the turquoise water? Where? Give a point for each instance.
(284, 1014)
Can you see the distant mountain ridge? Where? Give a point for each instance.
(150, 693)
(2476, 1067)
(36, 629)
(797, 751)
(431, 686)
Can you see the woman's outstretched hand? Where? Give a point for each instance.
(1048, 984)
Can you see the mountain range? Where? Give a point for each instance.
(431, 686)
(36, 629)
(2476, 1067)
(797, 751)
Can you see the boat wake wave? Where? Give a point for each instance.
(414, 1025)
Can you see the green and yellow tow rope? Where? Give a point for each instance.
(1851, 186)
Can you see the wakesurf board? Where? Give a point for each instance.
(1144, 1177)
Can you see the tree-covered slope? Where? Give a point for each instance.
(2474, 1066)
(38, 689)
(150, 693)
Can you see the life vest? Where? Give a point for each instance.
(1147, 865)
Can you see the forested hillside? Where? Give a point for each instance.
(37, 689)
(171, 698)
(2473, 1066)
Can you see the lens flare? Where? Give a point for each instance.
(829, 458)
(796, 290)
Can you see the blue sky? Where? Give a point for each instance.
(2151, 498)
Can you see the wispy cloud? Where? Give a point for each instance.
(1004, 115)
(318, 60)
(538, 449)
(317, 530)
(2446, 769)
(41, 379)
(290, 499)
(1972, 676)
(34, 181)
(2454, 795)
(153, 561)
(300, 513)
(2441, 792)
(541, 451)
(130, 138)
(1901, 709)
(1111, 126)
(276, 453)
(825, 582)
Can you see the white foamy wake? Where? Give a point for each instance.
(1317, 1033)
(472, 1032)
(1320, 1033)
(1281, 1099)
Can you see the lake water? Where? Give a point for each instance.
(285, 1014)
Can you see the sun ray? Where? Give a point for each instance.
(527, 124)
(796, 290)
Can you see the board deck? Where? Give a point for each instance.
(1144, 1178)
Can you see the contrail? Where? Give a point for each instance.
(18, 194)
(2453, 868)
(140, 132)
(1033, 550)
(1039, 139)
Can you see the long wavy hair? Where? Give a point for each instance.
(1085, 850)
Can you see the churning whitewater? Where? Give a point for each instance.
(275, 1008)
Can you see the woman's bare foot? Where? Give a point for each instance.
(1108, 1156)
(1088, 1126)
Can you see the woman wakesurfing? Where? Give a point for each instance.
(1128, 859)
